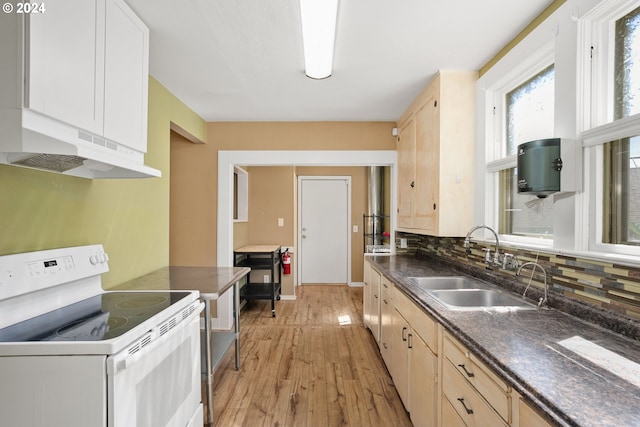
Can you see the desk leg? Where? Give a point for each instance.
(208, 368)
(236, 320)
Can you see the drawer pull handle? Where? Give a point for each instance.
(469, 411)
(410, 344)
(404, 329)
(469, 374)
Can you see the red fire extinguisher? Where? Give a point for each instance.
(286, 262)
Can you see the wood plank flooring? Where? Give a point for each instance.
(314, 364)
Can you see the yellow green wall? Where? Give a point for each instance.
(42, 210)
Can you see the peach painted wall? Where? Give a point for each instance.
(196, 189)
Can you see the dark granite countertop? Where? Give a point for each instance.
(523, 347)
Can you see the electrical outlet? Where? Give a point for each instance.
(280, 222)
(265, 278)
(403, 243)
(355, 228)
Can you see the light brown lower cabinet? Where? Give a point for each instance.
(414, 366)
(450, 417)
(423, 384)
(441, 383)
(528, 417)
(386, 320)
(466, 401)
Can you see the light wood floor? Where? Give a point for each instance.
(314, 364)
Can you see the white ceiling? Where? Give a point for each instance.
(242, 60)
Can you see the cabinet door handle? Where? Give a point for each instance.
(384, 344)
(469, 374)
(385, 285)
(385, 301)
(413, 184)
(404, 329)
(469, 411)
(410, 344)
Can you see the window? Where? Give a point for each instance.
(240, 195)
(621, 166)
(627, 65)
(530, 110)
(522, 215)
(529, 115)
(612, 134)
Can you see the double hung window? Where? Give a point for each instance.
(612, 126)
(523, 111)
(529, 116)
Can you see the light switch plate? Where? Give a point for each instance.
(280, 222)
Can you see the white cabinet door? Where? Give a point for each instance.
(64, 63)
(126, 76)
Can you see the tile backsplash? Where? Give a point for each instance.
(606, 285)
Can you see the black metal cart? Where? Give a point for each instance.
(266, 258)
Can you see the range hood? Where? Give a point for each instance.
(36, 141)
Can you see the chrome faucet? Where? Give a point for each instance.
(488, 260)
(543, 301)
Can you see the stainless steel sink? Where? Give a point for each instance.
(480, 299)
(444, 282)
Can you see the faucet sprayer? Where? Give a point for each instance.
(543, 301)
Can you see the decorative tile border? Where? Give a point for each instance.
(612, 287)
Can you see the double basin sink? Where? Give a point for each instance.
(464, 293)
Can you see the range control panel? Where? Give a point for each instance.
(34, 271)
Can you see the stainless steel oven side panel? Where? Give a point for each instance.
(53, 391)
(159, 384)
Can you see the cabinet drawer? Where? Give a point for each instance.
(450, 417)
(386, 288)
(465, 400)
(529, 417)
(421, 323)
(492, 388)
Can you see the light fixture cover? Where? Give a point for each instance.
(318, 36)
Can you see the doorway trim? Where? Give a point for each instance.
(228, 159)
(301, 178)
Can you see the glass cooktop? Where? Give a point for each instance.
(101, 317)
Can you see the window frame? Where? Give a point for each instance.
(495, 149)
(240, 195)
(597, 124)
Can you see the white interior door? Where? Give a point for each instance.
(323, 229)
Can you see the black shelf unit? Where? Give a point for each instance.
(266, 258)
(372, 227)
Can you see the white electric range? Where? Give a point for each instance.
(73, 355)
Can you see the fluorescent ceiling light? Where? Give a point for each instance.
(318, 36)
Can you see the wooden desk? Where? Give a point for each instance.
(211, 282)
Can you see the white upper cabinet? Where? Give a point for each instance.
(85, 64)
(63, 68)
(126, 76)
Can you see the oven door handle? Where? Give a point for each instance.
(132, 354)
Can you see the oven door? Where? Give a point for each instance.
(158, 385)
